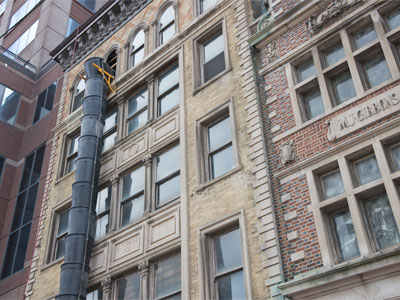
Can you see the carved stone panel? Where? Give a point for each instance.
(107, 164)
(127, 246)
(133, 149)
(98, 260)
(164, 129)
(163, 229)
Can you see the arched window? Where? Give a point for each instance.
(78, 92)
(137, 48)
(112, 60)
(166, 25)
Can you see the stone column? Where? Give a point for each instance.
(114, 202)
(147, 161)
(144, 268)
(106, 287)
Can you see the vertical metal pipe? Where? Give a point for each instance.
(81, 223)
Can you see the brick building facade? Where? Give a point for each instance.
(328, 76)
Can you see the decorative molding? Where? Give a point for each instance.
(114, 179)
(265, 21)
(335, 8)
(144, 267)
(272, 54)
(106, 283)
(147, 159)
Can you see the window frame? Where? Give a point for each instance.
(212, 117)
(156, 24)
(46, 100)
(104, 212)
(66, 157)
(112, 130)
(198, 57)
(73, 93)
(128, 117)
(351, 62)
(57, 236)
(129, 45)
(205, 235)
(158, 98)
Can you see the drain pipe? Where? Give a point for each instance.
(82, 214)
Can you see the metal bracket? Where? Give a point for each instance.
(107, 76)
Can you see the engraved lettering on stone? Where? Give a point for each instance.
(335, 8)
(363, 114)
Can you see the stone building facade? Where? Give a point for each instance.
(184, 207)
(329, 96)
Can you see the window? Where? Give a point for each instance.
(394, 154)
(24, 40)
(168, 90)
(103, 212)
(22, 11)
(78, 92)
(61, 234)
(206, 5)
(9, 102)
(165, 281)
(166, 26)
(71, 153)
(72, 26)
(223, 271)
(89, 4)
(228, 279)
(3, 6)
(216, 148)
(137, 110)
(211, 55)
(138, 48)
(17, 245)
(45, 102)
(2, 166)
(167, 176)
(110, 130)
(133, 198)
(357, 183)
(349, 64)
(112, 60)
(96, 295)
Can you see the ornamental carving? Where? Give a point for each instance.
(288, 152)
(271, 52)
(335, 8)
(106, 283)
(265, 21)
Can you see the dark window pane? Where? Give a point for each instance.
(132, 210)
(222, 162)
(228, 251)
(45, 102)
(19, 209)
(231, 286)
(103, 200)
(63, 223)
(72, 25)
(214, 66)
(395, 150)
(313, 104)
(2, 160)
(137, 102)
(205, 5)
(168, 80)
(213, 47)
(9, 101)
(133, 183)
(344, 87)
(393, 19)
(9, 257)
(102, 226)
(137, 121)
(219, 134)
(345, 235)
(168, 162)
(382, 221)
(167, 276)
(334, 54)
(27, 172)
(129, 287)
(60, 247)
(37, 167)
(306, 70)
(30, 204)
(21, 248)
(168, 190)
(167, 17)
(367, 170)
(365, 36)
(332, 184)
(168, 101)
(377, 71)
